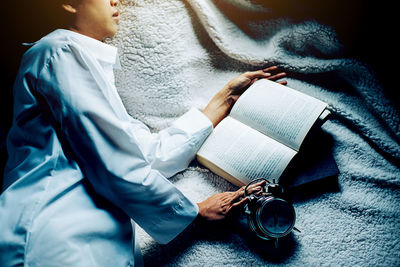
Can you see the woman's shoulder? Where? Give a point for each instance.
(47, 45)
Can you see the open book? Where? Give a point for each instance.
(263, 132)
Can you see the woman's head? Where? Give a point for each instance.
(95, 18)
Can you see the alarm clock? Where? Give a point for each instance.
(269, 215)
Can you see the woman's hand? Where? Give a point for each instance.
(218, 206)
(220, 105)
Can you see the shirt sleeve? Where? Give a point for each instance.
(124, 162)
(172, 149)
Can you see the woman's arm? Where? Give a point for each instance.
(220, 105)
(218, 206)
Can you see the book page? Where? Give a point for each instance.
(244, 153)
(278, 111)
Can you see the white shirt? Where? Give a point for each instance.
(80, 167)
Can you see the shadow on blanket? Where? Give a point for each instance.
(222, 232)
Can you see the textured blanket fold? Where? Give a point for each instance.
(177, 54)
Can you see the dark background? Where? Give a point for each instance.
(366, 29)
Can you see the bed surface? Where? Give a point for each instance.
(176, 54)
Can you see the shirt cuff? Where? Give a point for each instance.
(194, 121)
(196, 125)
(184, 213)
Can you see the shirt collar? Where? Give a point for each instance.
(101, 51)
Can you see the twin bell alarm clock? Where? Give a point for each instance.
(269, 216)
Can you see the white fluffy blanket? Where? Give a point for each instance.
(176, 54)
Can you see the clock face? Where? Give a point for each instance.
(276, 217)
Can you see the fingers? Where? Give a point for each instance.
(283, 82)
(253, 81)
(277, 76)
(272, 73)
(260, 183)
(257, 74)
(271, 69)
(256, 187)
(238, 194)
(236, 200)
(221, 205)
(240, 203)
